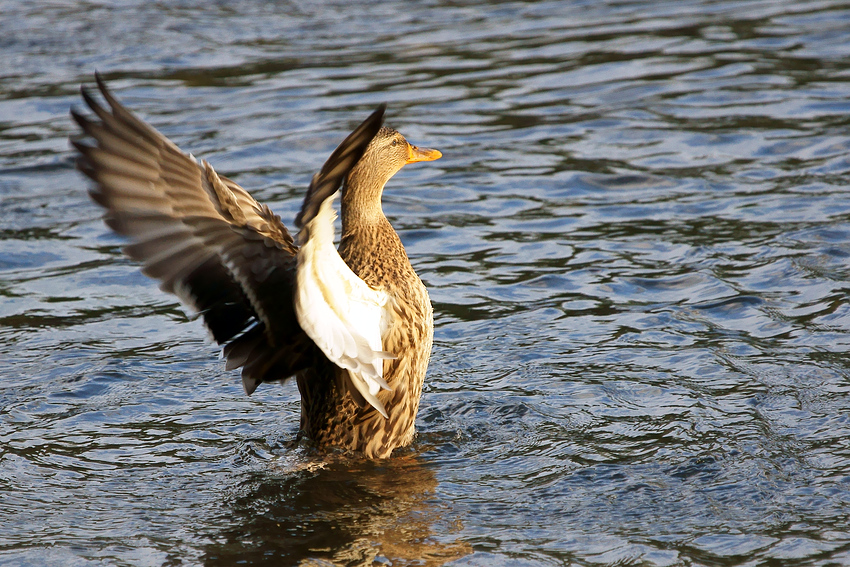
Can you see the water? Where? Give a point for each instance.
(636, 243)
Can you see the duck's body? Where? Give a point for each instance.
(355, 327)
(375, 253)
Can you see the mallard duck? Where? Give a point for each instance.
(354, 326)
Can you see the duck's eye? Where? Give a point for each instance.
(395, 142)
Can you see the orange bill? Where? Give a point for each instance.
(415, 154)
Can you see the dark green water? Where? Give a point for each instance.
(637, 245)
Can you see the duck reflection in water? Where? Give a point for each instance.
(341, 512)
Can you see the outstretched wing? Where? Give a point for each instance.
(203, 236)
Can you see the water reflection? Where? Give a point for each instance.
(339, 511)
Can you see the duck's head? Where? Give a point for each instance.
(385, 155)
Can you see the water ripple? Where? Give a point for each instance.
(636, 246)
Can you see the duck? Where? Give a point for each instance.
(352, 324)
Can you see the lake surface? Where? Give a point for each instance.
(637, 244)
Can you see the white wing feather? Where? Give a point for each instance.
(338, 310)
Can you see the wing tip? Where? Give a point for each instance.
(350, 150)
(250, 384)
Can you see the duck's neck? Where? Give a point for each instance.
(369, 245)
(361, 202)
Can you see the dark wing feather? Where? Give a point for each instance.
(204, 237)
(344, 157)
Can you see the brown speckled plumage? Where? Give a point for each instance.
(232, 260)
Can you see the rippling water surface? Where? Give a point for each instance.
(637, 245)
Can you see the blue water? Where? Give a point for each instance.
(637, 244)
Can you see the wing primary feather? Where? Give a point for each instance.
(344, 157)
